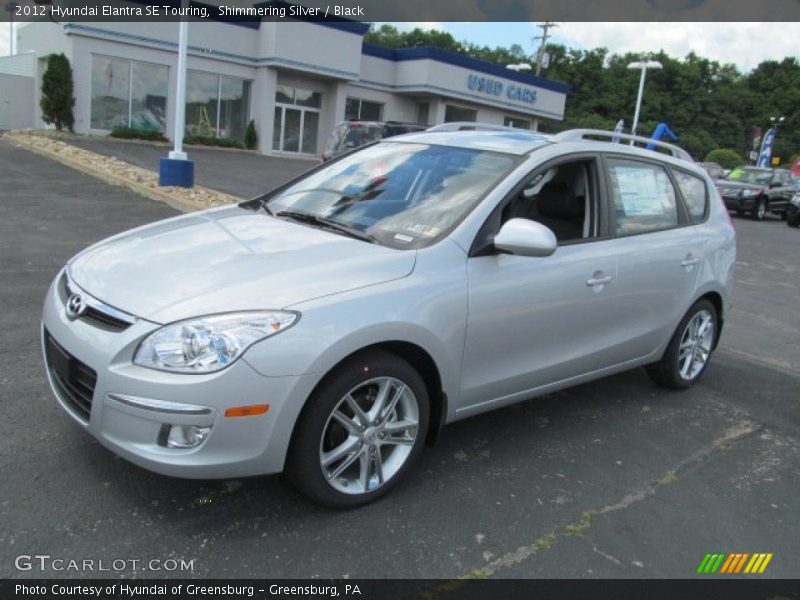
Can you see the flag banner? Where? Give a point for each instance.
(765, 155)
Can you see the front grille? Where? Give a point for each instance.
(94, 315)
(74, 380)
(104, 320)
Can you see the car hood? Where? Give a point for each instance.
(727, 184)
(229, 259)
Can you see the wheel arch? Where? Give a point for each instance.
(716, 300)
(418, 357)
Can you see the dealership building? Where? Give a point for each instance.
(295, 79)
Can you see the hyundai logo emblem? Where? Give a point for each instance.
(75, 306)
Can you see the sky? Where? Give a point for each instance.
(744, 44)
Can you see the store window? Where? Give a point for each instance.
(128, 93)
(356, 109)
(216, 105)
(296, 125)
(518, 123)
(459, 113)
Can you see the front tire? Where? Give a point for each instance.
(793, 221)
(689, 350)
(360, 432)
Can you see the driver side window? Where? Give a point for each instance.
(561, 198)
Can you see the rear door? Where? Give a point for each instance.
(659, 251)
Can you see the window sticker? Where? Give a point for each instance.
(642, 191)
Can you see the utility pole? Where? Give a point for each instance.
(545, 27)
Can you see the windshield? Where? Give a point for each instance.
(401, 195)
(750, 176)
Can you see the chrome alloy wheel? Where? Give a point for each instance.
(695, 346)
(762, 210)
(369, 435)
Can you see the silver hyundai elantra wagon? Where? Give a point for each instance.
(334, 325)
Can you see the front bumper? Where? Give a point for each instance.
(130, 406)
(739, 203)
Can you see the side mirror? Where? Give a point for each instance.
(525, 238)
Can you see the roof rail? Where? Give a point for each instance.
(472, 126)
(574, 135)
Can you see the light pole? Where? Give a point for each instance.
(642, 65)
(11, 7)
(177, 169)
(775, 121)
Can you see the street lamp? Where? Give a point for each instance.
(642, 65)
(775, 121)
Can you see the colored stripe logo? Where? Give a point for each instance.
(734, 563)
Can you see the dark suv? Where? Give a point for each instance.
(351, 134)
(757, 191)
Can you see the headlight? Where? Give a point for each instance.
(796, 200)
(208, 344)
(748, 193)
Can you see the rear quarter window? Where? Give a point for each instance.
(694, 192)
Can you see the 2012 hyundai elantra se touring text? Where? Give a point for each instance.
(331, 327)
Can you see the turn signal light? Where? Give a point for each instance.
(247, 411)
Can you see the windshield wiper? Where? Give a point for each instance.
(302, 217)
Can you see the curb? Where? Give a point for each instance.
(183, 205)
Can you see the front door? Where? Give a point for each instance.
(537, 321)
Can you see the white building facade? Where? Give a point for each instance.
(296, 80)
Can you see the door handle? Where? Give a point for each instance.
(690, 261)
(594, 281)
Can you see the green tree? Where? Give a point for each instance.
(725, 158)
(57, 100)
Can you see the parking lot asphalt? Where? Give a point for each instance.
(241, 174)
(616, 478)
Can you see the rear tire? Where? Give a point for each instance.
(689, 350)
(360, 431)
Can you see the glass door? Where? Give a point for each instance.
(296, 125)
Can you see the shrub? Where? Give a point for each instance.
(57, 100)
(131, 133)
(725, 158)
(207, 140)
(250, 136)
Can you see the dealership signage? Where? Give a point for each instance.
(494, 87)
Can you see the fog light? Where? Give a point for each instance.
(187, 436)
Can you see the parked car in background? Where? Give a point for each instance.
(349, 135)
(331, 327)
(714, 170)
(757, 191)
(793, 211)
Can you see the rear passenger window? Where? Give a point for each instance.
(644, 199)
(694, 193)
